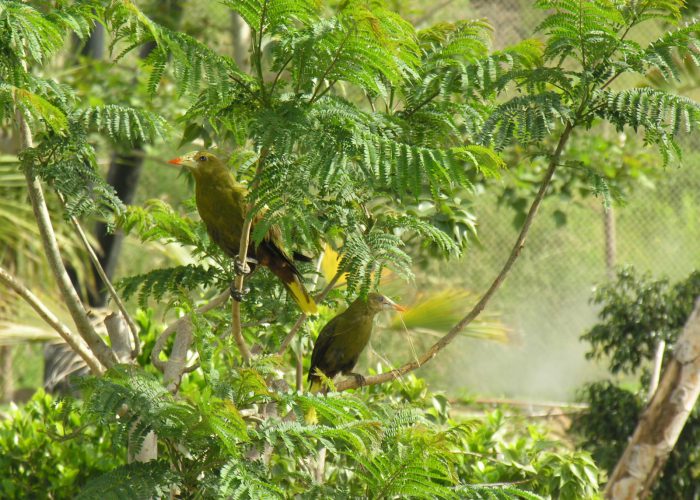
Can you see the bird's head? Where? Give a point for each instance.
(198, 162)
(378, 302)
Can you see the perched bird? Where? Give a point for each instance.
(221, 203)
(343, 339)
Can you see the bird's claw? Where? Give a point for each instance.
(238, 296)
(359, 379)
(241, 267)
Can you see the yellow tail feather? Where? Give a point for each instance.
(316, 386)
(311, 417)
(302, 298)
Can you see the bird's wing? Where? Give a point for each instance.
(323, 342)
(334, 328)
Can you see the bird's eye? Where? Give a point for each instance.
(202, 158)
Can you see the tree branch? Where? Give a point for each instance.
(238, 284)
(173, 327)
(53, 255)
(352, 382)
(73, 340)
(103, 276)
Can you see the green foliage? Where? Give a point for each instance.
(157, 221)
(611, 419)
(63, 155)
(227, 443)
(321, 157)
(351, 123)
(638, 312)
(49, 446)
(136, 480)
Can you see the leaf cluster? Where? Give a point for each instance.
(636, 313)
(63, 155)
(247, 440)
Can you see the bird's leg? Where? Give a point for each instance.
(359, 379)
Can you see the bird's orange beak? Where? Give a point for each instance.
(176, 161)
(400, 308)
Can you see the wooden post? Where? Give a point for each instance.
(662, 421)
(610, 241)
(7, 386)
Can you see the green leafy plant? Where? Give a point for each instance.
(51, 446)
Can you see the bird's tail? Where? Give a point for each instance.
(311, 416)
(283, 267)
(301, 296)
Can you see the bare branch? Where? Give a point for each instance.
(352, 382)
(119, 337)
(103, 276)
(238, 284)
(176, 365)
(53, 255)
(173, 327)
(73, 340)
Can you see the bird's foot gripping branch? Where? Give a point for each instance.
(242, 267)
(237, 295)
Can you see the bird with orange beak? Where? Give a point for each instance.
(222, 205)
(344, 337)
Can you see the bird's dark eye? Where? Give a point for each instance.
(202, 158)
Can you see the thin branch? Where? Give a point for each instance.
(279, 73)
(53, 255)
(258, 51)
(300, 320)
(325, 91)
(336, 58)
(238, 284)
(352, 383)
(424, 102)
(300, 368)
(173, 327)
(73, 340)
(656, 369)
(103, 276)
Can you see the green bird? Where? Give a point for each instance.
(221, 203)
(344, 337)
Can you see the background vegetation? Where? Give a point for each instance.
(230, 431)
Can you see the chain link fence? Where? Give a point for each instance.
(545, 300)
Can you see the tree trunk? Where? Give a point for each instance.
(663, 420)
(240, 32)
(7, 386)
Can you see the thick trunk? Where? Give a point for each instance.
(7, 386)
(663, 420)
(240, 35)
